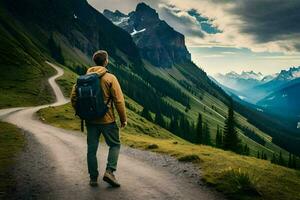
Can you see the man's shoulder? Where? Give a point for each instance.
(110, 75)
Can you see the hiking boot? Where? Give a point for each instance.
(110, 178)
(93, 182)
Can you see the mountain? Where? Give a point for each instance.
(159, 43)
(240, 82)
(282, 79)
(254, 86)
(252, 75)
(285, 99)
(290, 74)
(269, 78)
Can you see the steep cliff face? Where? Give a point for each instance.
(159, 43)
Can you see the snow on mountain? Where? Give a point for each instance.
(269, 77)
(121, 21)
(244, 75)
(136, 32)
(290, 74)
(252, 75)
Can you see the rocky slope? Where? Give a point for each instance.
(159, 43)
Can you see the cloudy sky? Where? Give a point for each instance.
(230, 35)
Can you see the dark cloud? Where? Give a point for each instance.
(269, 20)
(181, 20)
(204, 22)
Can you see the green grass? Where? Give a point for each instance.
(238, 183)
(11, 143)
(63, 117)
(66, 81)
(260, 178)
(23, 68)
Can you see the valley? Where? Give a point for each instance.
(157, 75)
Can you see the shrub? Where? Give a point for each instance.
(237, 183)
(189, 158)
(152, 146)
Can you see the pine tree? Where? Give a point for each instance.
(160, 120)
(281, 160)
(206, 134)
(219, 137)
(294, 162)
(55, 50)
(231, 140)
(265, 157)
(274, 159)
(59, 57)
(146, 114)
(174, 128)
(258, 155)
(246, 150)
(193, 133)
(290, 163)
(199, 127)
(185, 127)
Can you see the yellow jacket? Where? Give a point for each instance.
(110, 86)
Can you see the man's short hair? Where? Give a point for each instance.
(100, 57)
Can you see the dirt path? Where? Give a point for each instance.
(53, 165)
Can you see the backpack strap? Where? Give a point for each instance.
(82, 125)
(110, 96)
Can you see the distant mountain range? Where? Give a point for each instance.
(283, 102)
(159, 43)
(277, 94)
(242, 81)
(255, 86)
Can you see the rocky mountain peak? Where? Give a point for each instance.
(145, 9)
(290, 74)
(158, 42)
(117, 14)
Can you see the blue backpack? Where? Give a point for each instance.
(90, 103)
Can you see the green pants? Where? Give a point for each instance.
(111, 135)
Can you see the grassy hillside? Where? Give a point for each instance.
(239, 177)
(23, 70)
(11, 143)
(213, 110)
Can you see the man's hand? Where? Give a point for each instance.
(123, 124)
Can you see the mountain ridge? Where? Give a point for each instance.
(158, 42)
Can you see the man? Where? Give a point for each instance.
(105, 125)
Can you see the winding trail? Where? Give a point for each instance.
(53, 165)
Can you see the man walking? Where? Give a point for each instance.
(106, 125)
